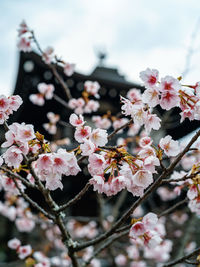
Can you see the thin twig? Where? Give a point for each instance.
(171, 209)
(75, 199)
(182, 259)
(105, 245)
(53, 69)
(33, 203)
(15, 175)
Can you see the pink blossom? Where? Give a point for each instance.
(169, 83)
(53, 181)
(127, 106)
(24, 44)
(147, 151)
(44, 162)
(82, 133)
(99, 137)
(121, 260)
(14, 243)
(150, 220)
(15, 102)
(51, 126)
(138, 264)
(169, 99)
(151, 97)
(98, 182)
(68, 69)
(170, 147)
(75, 120)
(48, 55)
(103, 123)
(149, 77)
(37, 99)
(134, 95)
(145, 141)
(24, 251)
(152, 239)
(152, 122)
(13, 157)
(87, 148)
(92, 88)
(23, 28)
(18, 133)
(150, 163)
(137, 229)
(133, 129)
(192, 193)
(25, 133)
(4, 103)
(91, 106)
(25, 224)
(138, 114)
(59, 163)
(46, 90)
(96, 164)
(3, 117)
(143, 178)
(9, 186)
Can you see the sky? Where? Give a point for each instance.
(136, 34)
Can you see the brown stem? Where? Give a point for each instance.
(75, 199)
(182, 259)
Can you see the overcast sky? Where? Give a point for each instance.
(135, 34)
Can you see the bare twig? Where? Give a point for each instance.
(75, 199)
(174, 207)
(53, 69)
(105, 245)
(33, 203)
(182, 259)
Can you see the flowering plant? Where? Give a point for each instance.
(136, 164)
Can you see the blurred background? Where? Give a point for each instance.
(134, 34)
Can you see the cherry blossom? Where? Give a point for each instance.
(170, 147)
(92, 88)
(48, 55)
(76, 120)
(82, 133)
(14, 243)
(99, 137)
(68, 69)
(24, 44)
(87, 147)
(24, 251)
(149, 77)
(23, 28)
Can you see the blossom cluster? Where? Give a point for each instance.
(90, 139)
(8, 105)
(84, 104)
(17, 142)
(116, 169)
(45, 92)
(50, 127)
(169, 93)
(50, 167)
(18, 213)
(25, 43)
